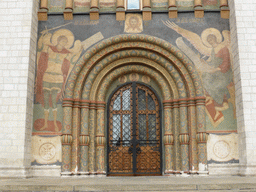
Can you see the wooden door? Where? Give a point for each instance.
(134, 135)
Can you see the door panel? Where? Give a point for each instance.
(134, 141)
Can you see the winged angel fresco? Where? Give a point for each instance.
(55, 59)
(214, 67)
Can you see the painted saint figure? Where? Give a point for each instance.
(216, 72)
(55, 60)
(133, 23)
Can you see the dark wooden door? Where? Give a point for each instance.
(134, 135)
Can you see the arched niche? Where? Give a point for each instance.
(84, 103)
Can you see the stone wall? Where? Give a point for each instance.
(243, 43)
(18, 34)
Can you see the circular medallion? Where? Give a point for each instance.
(47, 151)
(221, 149)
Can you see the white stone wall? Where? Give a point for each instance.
(18, 34)
(243, 43)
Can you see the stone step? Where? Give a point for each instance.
(131, 184)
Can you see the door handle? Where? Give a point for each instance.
(138, 150)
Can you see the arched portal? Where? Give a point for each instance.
(134, 131)
(86, 94)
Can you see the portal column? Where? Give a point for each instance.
(84, 138)
(201, 135)
(100, 139)
(184, 136)
(75, 136)
(192, 130)
(176, 125)
(92, 124)
(66, 137)
(168, 137)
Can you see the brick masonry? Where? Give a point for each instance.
(243, 44)
(18, 36)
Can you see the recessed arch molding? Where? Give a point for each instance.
(84, 104)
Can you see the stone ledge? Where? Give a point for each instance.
(247, 170)
(45, 171)
(134, 186)
(15, 172)
(223, 169)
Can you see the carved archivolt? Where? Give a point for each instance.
(85, 99)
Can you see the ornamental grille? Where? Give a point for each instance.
(134, 143)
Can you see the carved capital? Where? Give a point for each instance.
(168, 139)
(184, 139)
(84, 140)
(201, 137)
(100, 140)
(66, 139)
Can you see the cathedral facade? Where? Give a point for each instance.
(136, 87)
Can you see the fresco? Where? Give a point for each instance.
(185, 4)
(57, 53)
(55, 60)
(133, 23)
(159, 4)
(211, 4)
(205, 41)
(107, 5)
(82, 5)
(213, 62)
(110, 5)
(56, 5)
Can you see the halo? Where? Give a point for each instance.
(66, 33)
(211, 31)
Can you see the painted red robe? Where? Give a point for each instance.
(41, 68)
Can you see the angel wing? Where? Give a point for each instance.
(226, 35)
(75, 52)
(193, 38)
(200, 64)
